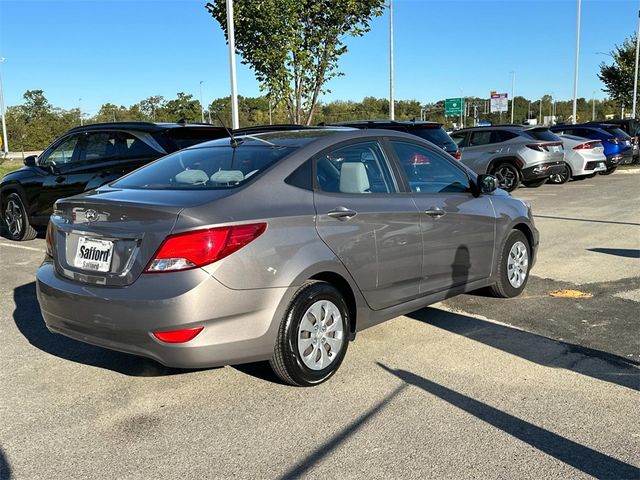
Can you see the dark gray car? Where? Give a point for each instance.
(277, 246)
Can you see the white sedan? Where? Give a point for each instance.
(583, 157)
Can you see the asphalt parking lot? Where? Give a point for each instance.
(533, 387)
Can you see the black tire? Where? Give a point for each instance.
(508, 176)
(563, 177)
(535, 183)
(16, 219)
(608, 172)
(287, 362)
(503, 287)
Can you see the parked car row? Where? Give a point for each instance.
(279, 243)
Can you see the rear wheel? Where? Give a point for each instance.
(313, 336)
(535, 183)
(562, 177)
(17, 220)
(508, 176)
(513, 266)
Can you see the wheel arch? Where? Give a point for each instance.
(343, 286)
(10, 188)
(509, 159)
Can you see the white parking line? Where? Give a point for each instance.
(2, 244)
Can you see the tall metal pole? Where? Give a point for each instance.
(392, 112)
(5, 145)
(80, 110)
(235, 123)
(575, 74)
(635, 76)
(201, 104)
(513, 95)
(593, 106)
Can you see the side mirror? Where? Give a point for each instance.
(487, 183)
(30, 161)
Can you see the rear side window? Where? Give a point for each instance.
(359, 168)
(133, 147)
(543, 134)
(459, 138)
(502, 136)
(428, 171)
(99, 146)
(205, 168)
(480, 138)
(174, 139)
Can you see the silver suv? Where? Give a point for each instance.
(513, 153)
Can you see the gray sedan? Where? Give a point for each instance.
(277, 246)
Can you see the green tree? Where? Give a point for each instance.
(618, 77)
(183, 107)
(293, 46)
(151, 106)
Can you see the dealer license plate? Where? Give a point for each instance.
(93, 254)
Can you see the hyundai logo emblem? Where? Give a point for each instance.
(91, 215)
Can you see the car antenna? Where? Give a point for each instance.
(234, 142)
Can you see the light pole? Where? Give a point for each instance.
(635, 77)
(235, 123)
(392, 113)
(5, 145)
(593, 106)
(201, 104)
(575, 74)
(513, 97)
(80, 110)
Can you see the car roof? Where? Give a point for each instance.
(142, 126)
(300, 138)
(507, 126)
(387, 123)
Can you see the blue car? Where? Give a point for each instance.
(616, 143)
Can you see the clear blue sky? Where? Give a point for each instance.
(122, 51)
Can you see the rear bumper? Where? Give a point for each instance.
(239, 325)
(618, 159)
(590, 167)
(542, 170)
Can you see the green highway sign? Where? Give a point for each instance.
(453, 106)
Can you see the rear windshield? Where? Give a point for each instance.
(176, 139)
(205, 168)
(437, 136)
(542, 134)
(618, 132)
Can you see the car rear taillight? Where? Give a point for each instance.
(49, 240)
(545, 147)
(184, 251)
(178, 336)
(584, 146)
(458, 155)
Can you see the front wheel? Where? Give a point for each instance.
(513, 266)
(508, 176)
(313, 336)
(17, 220)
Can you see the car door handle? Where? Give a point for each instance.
(60, 179)
(342, 213)
(435, 212)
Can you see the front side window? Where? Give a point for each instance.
(63, 153)
(207, 168)
(428, 171)
(359, 168)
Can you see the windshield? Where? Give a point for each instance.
(436, 136)
(205, 168)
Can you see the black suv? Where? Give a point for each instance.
(430, 131)
(85, 158)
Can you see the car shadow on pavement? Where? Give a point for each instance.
(567, 451)
(5, 468)
(618, 252)
(30, 323)
(535, 348)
